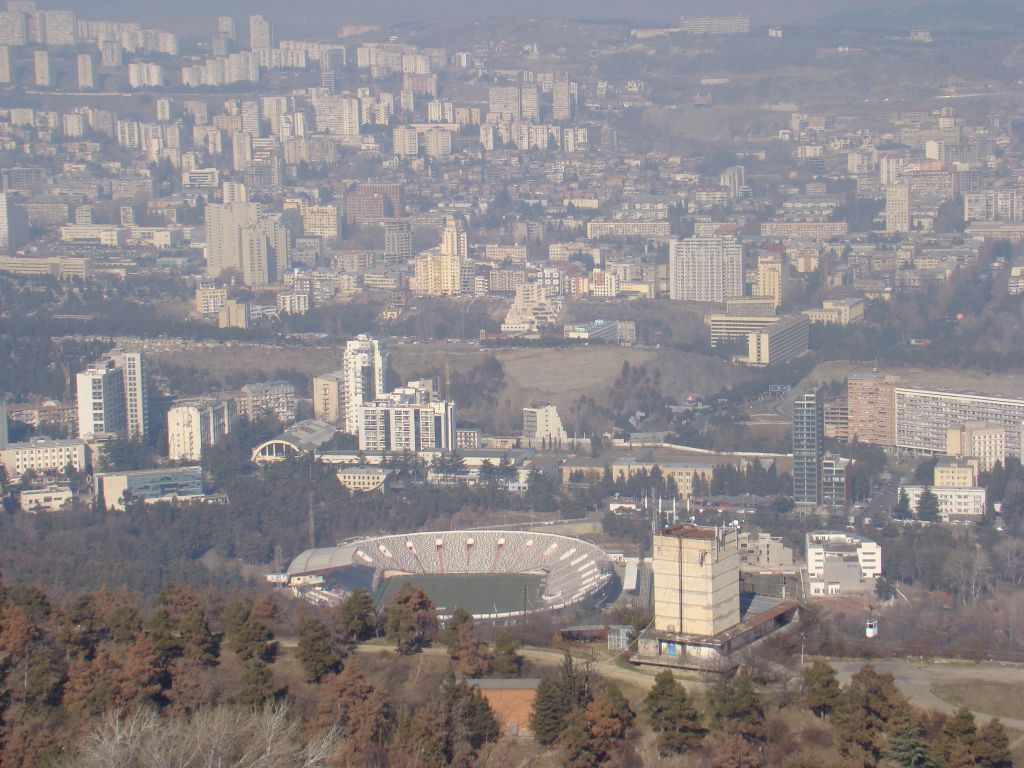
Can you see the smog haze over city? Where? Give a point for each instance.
(479, 384)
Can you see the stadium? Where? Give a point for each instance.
(496, 575)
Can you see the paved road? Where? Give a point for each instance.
(642, 677)
(916, 680)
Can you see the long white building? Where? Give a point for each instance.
(924, 417)
(956, 505)
(43, 454)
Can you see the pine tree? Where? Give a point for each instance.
(575, 682)
(593, 733)
(676, 721)
(473, 657)
(902, 509)
(867, 706)
(361, 711)
(142, 672)
(992, 747)
(507, 661)
(907, 745)
(257, 684)
(410, 621)
(957, 738)
(928, 506)
(460, 617)
(357, 616)
(558, 696)
(821, 688)
(620, 703)
(233, 617)
(124, 623)
(252, 639)
(199, 643)
(161, 633)
(736, 708)
(315, 650)
(80, 630)
(547, 720)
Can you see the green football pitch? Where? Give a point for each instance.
(477, 593)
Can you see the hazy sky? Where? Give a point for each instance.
(317, 18)
(197, 14)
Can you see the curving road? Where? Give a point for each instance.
(915, 680)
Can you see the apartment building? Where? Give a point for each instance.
(708, 269)
(779, 342)
(193, 425)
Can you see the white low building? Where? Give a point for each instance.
(840, 562)
(956, 505)
(43, 454)
(364, 479)
(53, 498)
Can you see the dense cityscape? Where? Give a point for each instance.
(505, 390)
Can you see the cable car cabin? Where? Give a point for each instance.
(871, 628)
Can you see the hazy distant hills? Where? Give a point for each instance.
(314, 16)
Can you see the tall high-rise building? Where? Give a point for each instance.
(328, 75)
(439, 274)
(808, 447)
(265, 251)
(406, 141)
(136, 394)
(86, 82)
(224, 225)
(772, 277)
(101, 399)
(329, 397)
(529, 103)
(503, 101)
(192, 425)
(5, 64)
(14, 229)
(261, 35)
(454, 241)
(234, 192)
(706, 269)
(562, 98)
(59, 27)
(365, 367)
(241, 151)
(412, 418)
(897, 208)
(543, 427)
(397, 241)
(12, 28)
(226, 26)
(44, 75)
(4, 437)
(733, 179)
(871, 409)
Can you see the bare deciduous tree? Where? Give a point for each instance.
(216, 737)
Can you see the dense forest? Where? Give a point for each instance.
(196, 678)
